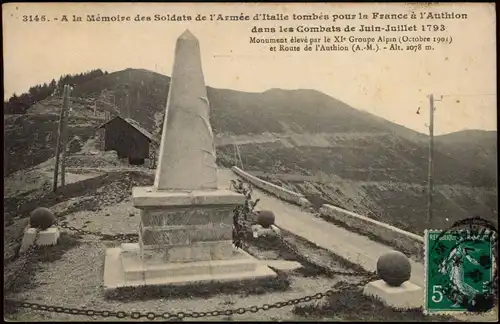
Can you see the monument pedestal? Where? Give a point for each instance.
(129, 270)
(406, 296)
(184, 238)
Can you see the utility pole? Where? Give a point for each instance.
(59, 136)
(65, 136)
(432, 109)
(431, 155)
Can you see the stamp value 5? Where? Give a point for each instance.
(459, 271)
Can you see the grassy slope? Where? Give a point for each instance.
(384, 158)
(477, 149)
(31, 139)
(146, 91)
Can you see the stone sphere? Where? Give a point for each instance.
(394, 268)
(42, 218)
(265, 218)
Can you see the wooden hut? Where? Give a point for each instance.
(128, 138)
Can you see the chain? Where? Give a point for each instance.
(370, 276)
(129, 238)
(24, 262)
(167, 315)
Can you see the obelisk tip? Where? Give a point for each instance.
(187, 35)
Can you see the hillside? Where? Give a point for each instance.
(294, 112)
(242, 113)
(475, 148)
(376, 177)
(365, 158)
(370, 164)
(31, 138)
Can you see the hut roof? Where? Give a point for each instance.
(135, 125)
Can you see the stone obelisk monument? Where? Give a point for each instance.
(185, 233)
(187, 151)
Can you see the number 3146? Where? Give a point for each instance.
(34, 18)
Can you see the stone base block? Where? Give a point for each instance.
(124, 267)
(181, 226)
(147, 197)
(45, 238)
(201, 251)
(407, 296)
(259, 230)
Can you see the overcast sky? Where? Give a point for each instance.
(392, 84)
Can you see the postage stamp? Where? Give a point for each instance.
(460, 268)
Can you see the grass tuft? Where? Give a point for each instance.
(349, 304)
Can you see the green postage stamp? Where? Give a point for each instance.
(459, 269)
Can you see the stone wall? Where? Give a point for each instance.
(399, 239)
(406, 242)
(281, 193)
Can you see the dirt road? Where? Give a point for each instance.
(351, 246)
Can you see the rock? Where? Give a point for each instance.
(42, 218)
(265, 218)
(394, 268)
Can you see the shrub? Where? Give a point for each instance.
(243, 215)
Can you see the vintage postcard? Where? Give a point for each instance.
(250, 161)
